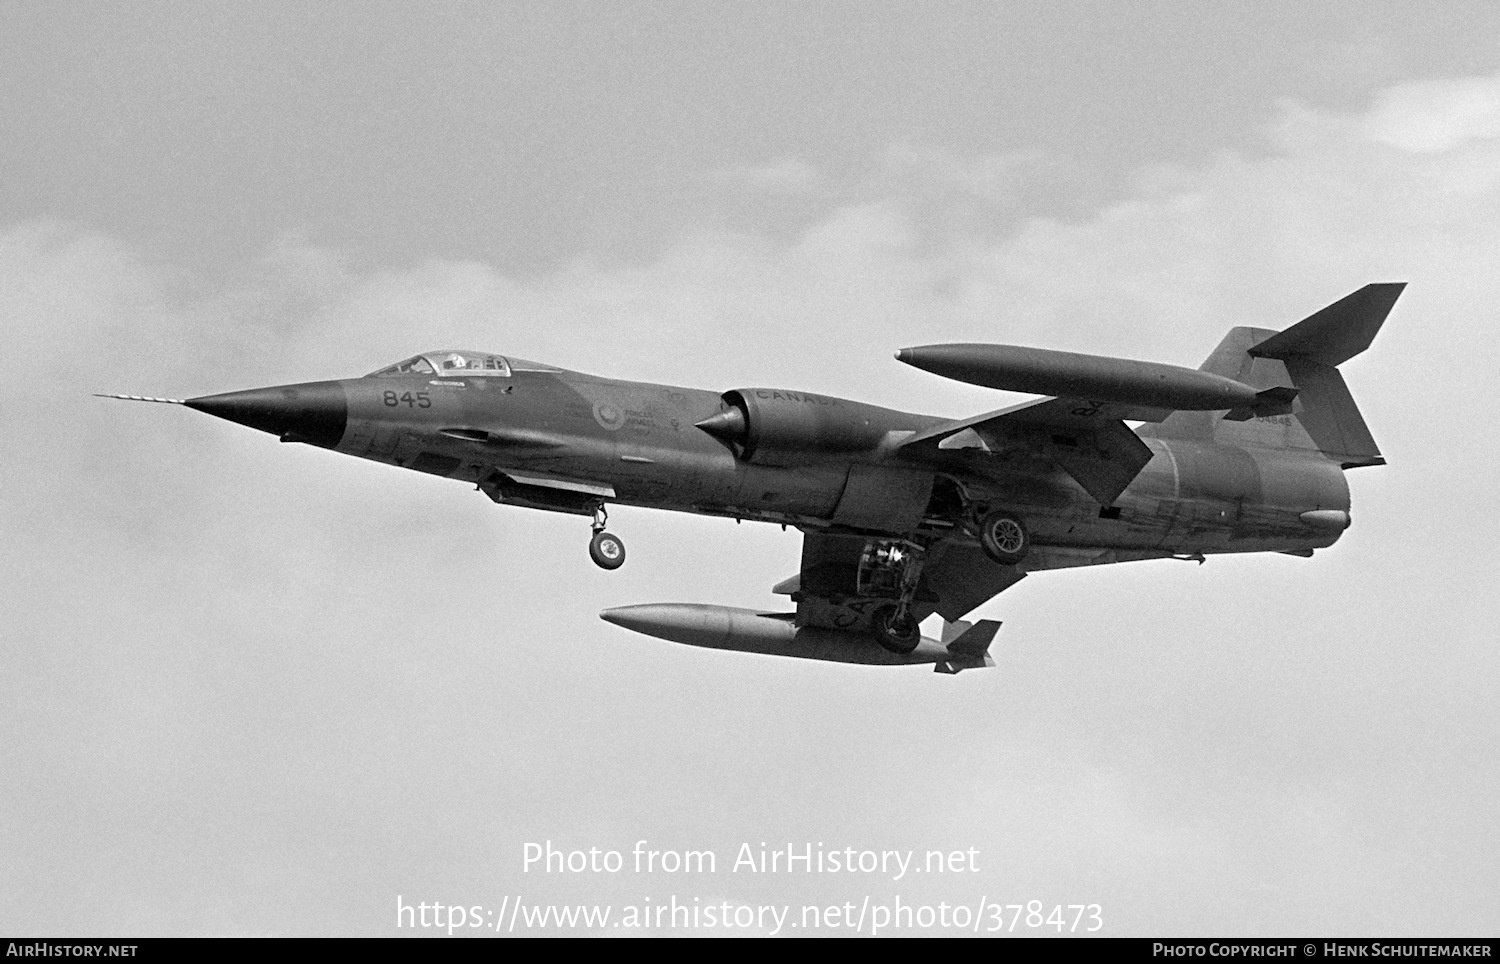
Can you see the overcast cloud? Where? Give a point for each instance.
(254, 688)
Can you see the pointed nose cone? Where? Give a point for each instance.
(313, 412)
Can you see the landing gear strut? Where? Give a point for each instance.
(893, 569)
(607, 551)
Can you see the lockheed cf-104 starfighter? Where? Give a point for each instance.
(902, 515)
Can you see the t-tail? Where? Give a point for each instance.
(1321, 417)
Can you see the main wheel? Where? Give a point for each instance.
(1004, 538)
(900, 636)
(607, 551)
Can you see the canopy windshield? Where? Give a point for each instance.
(448, 363)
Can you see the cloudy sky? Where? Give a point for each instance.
(252, 688)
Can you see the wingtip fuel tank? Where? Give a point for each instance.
(776, 634)
(1042, 371)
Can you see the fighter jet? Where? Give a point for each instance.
(902, 515)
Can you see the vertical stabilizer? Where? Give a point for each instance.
(1324, 418)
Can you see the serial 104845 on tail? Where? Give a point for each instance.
(902, 515)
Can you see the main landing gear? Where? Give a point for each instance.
(893, 568)
(1003, 537)
(607, 551)
(895, 629)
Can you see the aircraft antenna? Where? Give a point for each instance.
(143, 398)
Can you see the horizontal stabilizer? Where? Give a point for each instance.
(1337, 333)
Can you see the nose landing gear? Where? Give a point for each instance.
(607, 551)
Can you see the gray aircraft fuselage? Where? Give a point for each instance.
(554, 439)
(903, 515)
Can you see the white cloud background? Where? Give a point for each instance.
(259, 688)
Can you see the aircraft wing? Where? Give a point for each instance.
(958, 576)
(1087, 439)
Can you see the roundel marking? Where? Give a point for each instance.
(609, 415)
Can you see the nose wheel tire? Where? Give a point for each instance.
(607, 551)
(1004, 538)
(898, 635)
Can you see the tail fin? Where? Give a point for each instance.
(968, 645)
(1304, 357)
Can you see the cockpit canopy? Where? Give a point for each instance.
(461, 363)
(448, 362)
